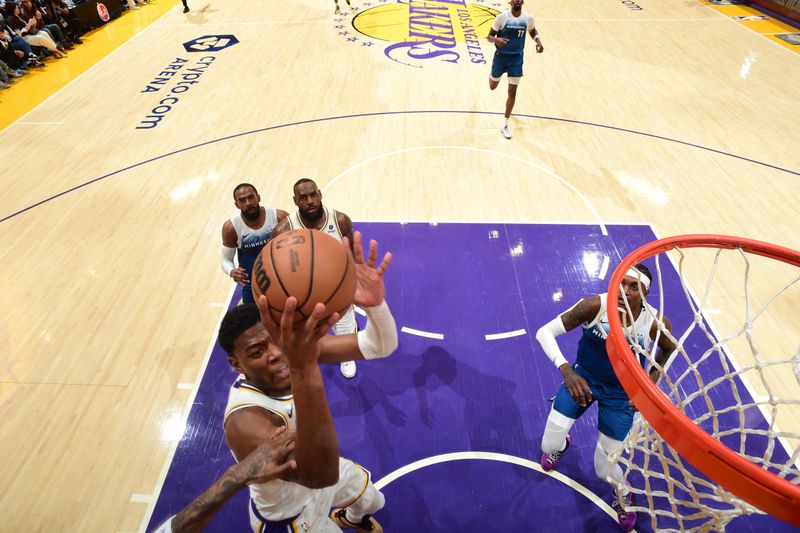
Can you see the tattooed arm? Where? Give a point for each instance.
(266, 462)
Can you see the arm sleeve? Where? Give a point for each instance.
(227, 259)
(379, 338)
(547, 338)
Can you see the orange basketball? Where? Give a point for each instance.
(311, 266)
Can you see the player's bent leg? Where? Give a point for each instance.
(615, 419)
(556, 438)
(357, 499)
(513, 83)
(493, 83)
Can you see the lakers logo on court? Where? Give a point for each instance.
(417, 33)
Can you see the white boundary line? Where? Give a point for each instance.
(20, 120)
(500, 457)
(696, 19)
(542, 168)
(748, 30)
(499, 222)
(420, 333)
(506, 335)
(185, 415)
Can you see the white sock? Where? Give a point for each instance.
(350, 516)
(505, 122)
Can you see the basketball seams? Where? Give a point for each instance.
(275, 270)
(310, 275)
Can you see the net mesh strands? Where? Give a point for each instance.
(732, 384)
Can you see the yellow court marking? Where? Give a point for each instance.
(39, 84)
(434, 21)
(768, 27)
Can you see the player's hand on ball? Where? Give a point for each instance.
(370, 289)
(299, 341)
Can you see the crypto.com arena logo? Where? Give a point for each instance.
(210, 43)
(416, 33)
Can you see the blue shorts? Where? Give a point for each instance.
(614, 411)
(511, 63)
(247, 295)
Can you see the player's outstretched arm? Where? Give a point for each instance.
(584, 311)
(379, 338)
(316, 444)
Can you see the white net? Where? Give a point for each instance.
(735, 373)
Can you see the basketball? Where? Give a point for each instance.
(309, 265)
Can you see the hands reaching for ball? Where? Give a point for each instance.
(370, 289)
(300, 342)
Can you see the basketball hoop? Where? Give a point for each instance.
(769, 485)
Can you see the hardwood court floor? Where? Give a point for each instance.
(111, 287)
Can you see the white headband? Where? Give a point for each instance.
(644, 280)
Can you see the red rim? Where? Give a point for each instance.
(770, 493)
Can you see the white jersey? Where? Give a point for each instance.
(346, 324)
(275, 499)
(288, 503)
(331, 225)
(592, 355)
(250, 241)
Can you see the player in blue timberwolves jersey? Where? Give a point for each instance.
(508, 35)
(245, 234)
(592, 379)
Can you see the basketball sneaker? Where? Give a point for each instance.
(627, 519)
(550, 460)
(505, 131)
(348, 369)
(367, 524)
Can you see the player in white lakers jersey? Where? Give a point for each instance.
(592, 378)
(281, 386)
(246, 234)
(312, 214)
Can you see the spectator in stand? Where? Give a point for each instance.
(31, 10)
(17, 53)
(25, 28)
(56, 12)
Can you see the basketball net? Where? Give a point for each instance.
(718, 436)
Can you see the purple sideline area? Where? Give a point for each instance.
(462, 393)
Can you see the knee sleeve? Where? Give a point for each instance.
(555, 431)
(603, 466)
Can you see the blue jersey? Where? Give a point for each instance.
(592, 362)
(251, 241)
(513, 29)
